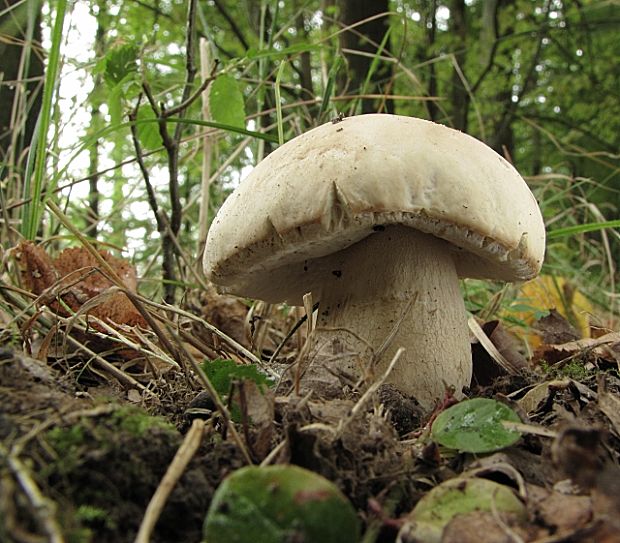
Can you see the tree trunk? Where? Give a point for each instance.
(21, 81)
(365, 38)
(96, 121)
(430, 23)
(459, 95)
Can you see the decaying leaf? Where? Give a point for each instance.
(74, 278)
(497, 352)
(455, 497)
(73, 283)
(605, 348)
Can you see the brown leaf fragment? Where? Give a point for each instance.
(560, 513)
(575, 453)
(486, 367)
(609, 404)
(75, 278)
(479, 527)
(227, 313)
(37, 269)
(555, 329)
(257, 408)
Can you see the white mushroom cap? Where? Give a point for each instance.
(336, 184)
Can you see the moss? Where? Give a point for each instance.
(110, 465)
(137, 422)
(574, 369)
(68, 443)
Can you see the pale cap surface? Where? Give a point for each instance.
(336, 184)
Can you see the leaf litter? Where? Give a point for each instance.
(85, 450)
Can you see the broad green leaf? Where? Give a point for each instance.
(120, 62)
(226, 101)
(475, 426)
(279, 503)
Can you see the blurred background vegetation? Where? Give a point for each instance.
(130, 121)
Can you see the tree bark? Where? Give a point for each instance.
(21, 80)
(365, 38)
(459, 93)
(430, 24)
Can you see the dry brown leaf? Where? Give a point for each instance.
(75, 277)
(257, 405)
(554, 328)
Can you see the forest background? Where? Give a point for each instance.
(130, 149)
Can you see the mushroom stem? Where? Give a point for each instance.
(366, 290)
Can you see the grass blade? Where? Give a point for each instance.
(582, 228)
(33, 211)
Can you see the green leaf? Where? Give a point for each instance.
(148, 133)
(226, 101)
(279, 503)
(222, 373)
(475, 426)
(120, 62)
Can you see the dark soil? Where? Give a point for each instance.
(79, 458)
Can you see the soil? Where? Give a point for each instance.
(95, 458)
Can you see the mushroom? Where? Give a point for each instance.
(378, 216)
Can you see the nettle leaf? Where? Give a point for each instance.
(475, 426)
(120, 73)
(120, 62)
(222, 373)
(226, 101)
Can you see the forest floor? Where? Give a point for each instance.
(85, 457)
(84, 452)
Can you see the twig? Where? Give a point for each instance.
(218, 403)
(361, 403)
(289, 335)
(174, 472)
(44, 508)
(233, 25)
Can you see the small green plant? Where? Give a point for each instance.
(222, 373)
(573, 369)
(475, 426)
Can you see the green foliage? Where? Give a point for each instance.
(147, 129)
(37, 157)
(68, 442)
(226, 103)
(120, 64)
(475, 426)
(574, 369)
(120, 73)
(222, 373)
(517, 74)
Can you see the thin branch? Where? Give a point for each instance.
(174, 472)
(233, 25)
(150, 191)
